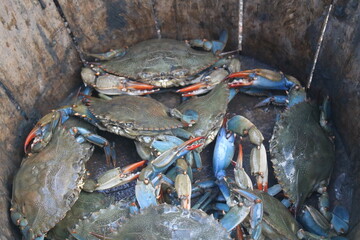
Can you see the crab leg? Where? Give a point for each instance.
(97, 140)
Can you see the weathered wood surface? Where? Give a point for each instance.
(120, 23)
(338, 72)
(283, 33)
(102, 25)
(11, 123)
(198, 19)
(39, 68)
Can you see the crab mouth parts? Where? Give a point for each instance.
(127, 91)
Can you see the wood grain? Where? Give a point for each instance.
(39, 68)
(198, 19)
(102, 25)
(283, 33)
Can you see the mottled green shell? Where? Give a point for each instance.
(278, 222)
(211, 109)
(48, 183)
(133, 115)
(103, 222)
(153, 60)
(84, 206)
(302, 154)
(171, 222)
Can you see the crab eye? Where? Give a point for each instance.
(128, 125)
(145, 75)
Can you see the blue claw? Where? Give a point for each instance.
(262, 79)
(214, 46)
(223, 152)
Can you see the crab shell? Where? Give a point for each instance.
(86, 204)
(49, 182)
(160, 62)
(104, 222)
(133, 116)
(278, 222)
(302, 154)
(171, 222)
(211, 109)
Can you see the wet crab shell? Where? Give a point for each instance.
(86, 204)
(211, 109)
(278, 222)
(103, 222)
(49, 182)
(160, 62)
(171, 222)
(132, 116)
(302, 154)
(156, 222)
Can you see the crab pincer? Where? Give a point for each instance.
(115, 85)
(114, 177)
(151, 177)
(259, 82)
(42, 133)
(258, 159)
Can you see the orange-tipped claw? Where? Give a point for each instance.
(194, 146)
(192, 88)
(133, 166)
(139, 86)
(242, 74)
(30, 137)
(262, 184)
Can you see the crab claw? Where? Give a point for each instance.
(114, 177)
(215, 46)
(206, 84)
(43, 131)
(33, 133)
(114, 85)
(106, 86)
(263, 79)
(195, 89)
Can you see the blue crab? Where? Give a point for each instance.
(142, 119)
(155, 222)
(52, 175)
(297, 149)
(155, 63)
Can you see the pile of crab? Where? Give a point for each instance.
(54, 198)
